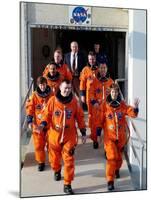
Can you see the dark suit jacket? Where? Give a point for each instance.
(81, 61)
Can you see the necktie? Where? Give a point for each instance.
(74, 63)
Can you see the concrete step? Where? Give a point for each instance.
(89, 174)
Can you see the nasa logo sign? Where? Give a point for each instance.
(80, 15)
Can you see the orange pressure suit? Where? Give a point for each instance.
(54, 81)
(98, 92)
(114, 124)
(62, 135)
(87, 77)
(62, 69)
(35, 106)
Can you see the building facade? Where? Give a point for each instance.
(45, 27)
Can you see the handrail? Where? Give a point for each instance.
(137, 133)
(140, 161)
(120, 80)
(27, 95)
(133, 125)
(23, 105)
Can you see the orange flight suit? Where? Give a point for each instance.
(113, 122)
(62, 135)
(97, 94)
(87, 77)
(35, 106)
(62, 69)
(54, 83)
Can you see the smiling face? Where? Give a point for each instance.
(42, 86)
(57, 57)
(52, 69)
(74, 47)
(65, 89)
(103, 70)
(114, 93)
(91, 60)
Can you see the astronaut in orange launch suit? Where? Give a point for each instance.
(62, 112)
(35, 106)
(87, 77)
(61, 67)
(54, 77)
(98, 91)
(113, 122)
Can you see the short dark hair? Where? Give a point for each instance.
(41, 80)
(52, 63)
(58, 51)
(91, 53)
(114, 86)
(103, 63)
(96, 43)
(66, 81)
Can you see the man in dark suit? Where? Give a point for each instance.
(101, 57)
(76, 62)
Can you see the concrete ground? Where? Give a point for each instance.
(89, 174)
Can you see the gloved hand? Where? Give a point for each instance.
(83, 99)
(30, 126)
(39, 128)
(83, 133)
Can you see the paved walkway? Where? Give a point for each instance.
(89, 174)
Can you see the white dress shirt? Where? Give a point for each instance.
(76, 60)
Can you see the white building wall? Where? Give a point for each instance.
(40, 13)
(137, 74)
(23, 51)
(53, 14)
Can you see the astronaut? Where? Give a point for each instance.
(98, 92)
(60, 66)
(54, 78)
(113, 122)
(87, 77)
(62, 113)
(35, 107)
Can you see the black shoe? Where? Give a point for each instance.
(57, 176)
(110, 185)
(117, 173)
(68, 189)
(84, 106)
(95, 145)
(41, 167)
(105, 155)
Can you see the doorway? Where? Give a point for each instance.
(44, 41)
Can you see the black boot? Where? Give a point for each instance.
(41, 167)
(105, 155)
(57, 176)
(68, 189)
(95, 145)
(110, 185)
(117, 173)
